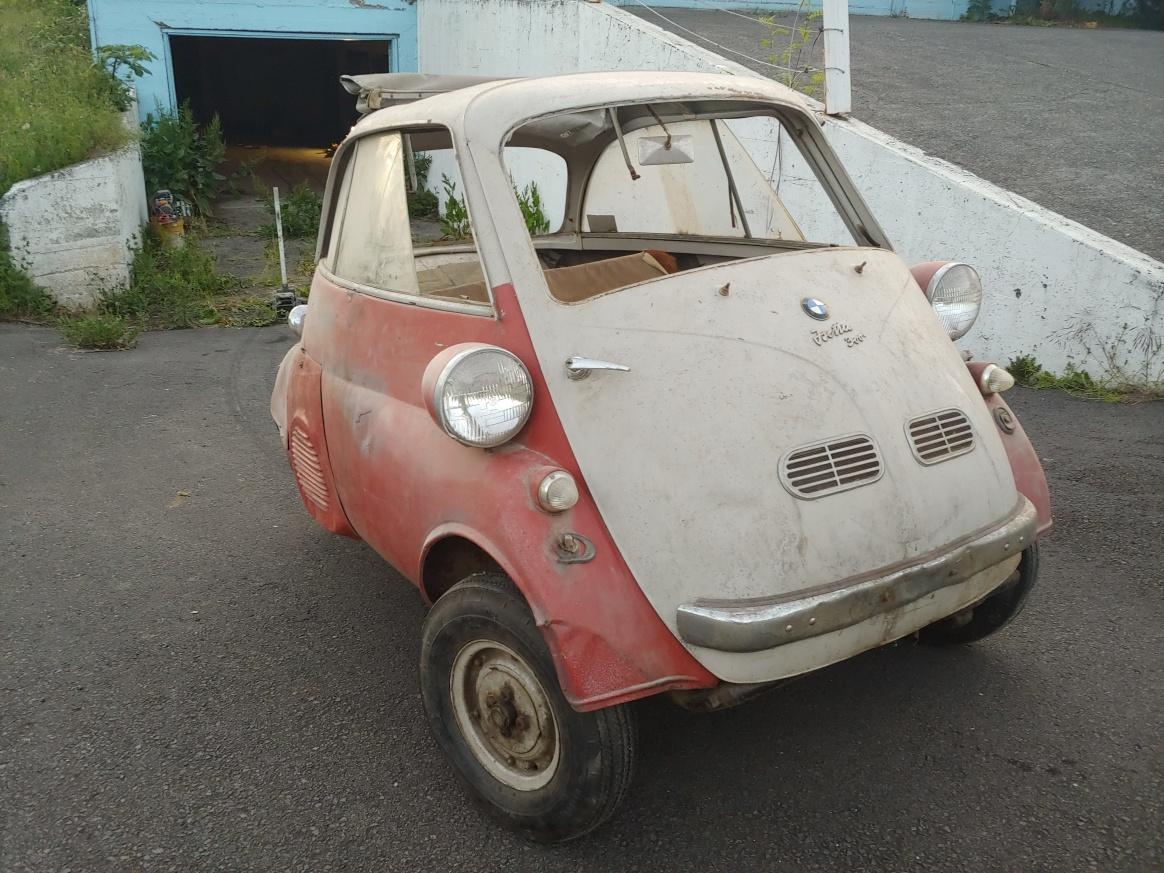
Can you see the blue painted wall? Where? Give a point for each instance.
(148, 22)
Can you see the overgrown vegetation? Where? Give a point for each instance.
(790, 42)
(20, 297)
(56, 104)
(123, 64)
(422, 203)
(170, 286)
(529, 199)
(1116, 13)
(97, 330)
(299, 208)
(1075, 380)
(455, 217)
(179, 154)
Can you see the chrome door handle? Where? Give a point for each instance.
(578, 367)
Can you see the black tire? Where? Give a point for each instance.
(991, 614)
(468, 639)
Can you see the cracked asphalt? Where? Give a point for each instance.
(1072, 118)
(193, 677)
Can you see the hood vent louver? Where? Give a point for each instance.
(940, 436)
(828, 467)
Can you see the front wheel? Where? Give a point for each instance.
(494, 706)
(993, 613)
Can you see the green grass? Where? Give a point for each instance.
(20, 297)
(55, 104)
(170, 287)
(97, 330)
(173, 288)
(1078, 382)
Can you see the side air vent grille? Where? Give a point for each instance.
(308, 470)
(827, 467)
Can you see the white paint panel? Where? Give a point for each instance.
(721, 387)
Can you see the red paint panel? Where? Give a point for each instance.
(306, 444)
(1028, 473)
(924, 272)
(405, 484)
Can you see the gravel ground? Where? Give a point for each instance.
(1071, 118)
(193, 677)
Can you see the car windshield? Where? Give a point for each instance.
(656, 170)
(645, 190)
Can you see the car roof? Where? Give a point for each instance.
(473, 104)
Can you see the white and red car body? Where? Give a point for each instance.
(702, 569)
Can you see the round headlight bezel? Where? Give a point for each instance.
(441, 385)
(934, 286)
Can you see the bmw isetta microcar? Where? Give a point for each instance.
(689, 427)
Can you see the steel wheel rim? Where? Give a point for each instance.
(504, 714)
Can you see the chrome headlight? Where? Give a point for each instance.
(955, 292)
(483, 396)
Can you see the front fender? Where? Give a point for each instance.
(1029, 478)
(279, 392)
(608, 645)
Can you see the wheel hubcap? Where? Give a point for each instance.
(504, 714)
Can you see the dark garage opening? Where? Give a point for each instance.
(273, 91)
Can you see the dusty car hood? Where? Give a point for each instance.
(728, 376)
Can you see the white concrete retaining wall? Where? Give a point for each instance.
(1055, 289)
(74, 231)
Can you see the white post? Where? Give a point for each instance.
(279, 233)
(838, 83)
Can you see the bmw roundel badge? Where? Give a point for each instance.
(815, 308)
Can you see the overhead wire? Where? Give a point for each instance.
(723, 48)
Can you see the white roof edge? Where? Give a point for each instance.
(518, 99)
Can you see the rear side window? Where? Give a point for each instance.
(388, 236)
(372, 242)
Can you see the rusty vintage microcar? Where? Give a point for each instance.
(689, 427)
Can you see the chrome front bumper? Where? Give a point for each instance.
(758, 624)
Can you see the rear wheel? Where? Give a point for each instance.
(494, 706)
(991, 614)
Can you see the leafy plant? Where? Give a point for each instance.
(123, 63)
(422, 203)
(455, 218)
(20, 297)
(97, 330)
(1025, 370)
(529, 199)
(978, 10)
(178, 154)
(788, 45)
(54, 101)
(1079, 382)
(300, 209)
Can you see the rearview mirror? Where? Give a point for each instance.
(656, 150)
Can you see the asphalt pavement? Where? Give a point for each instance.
(194, 677)
(1072, 118)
